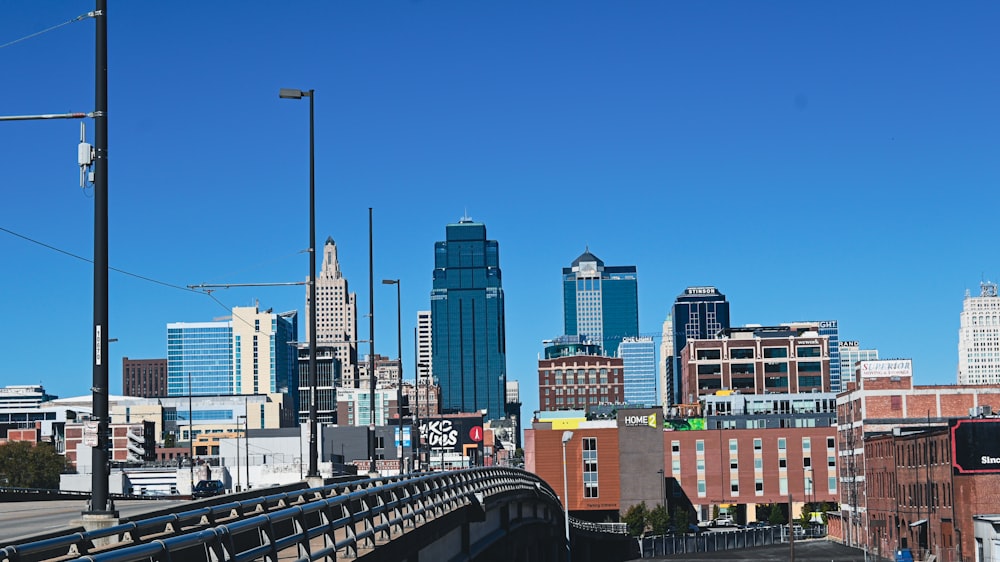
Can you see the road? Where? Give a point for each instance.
(814, 550)
(25, 519)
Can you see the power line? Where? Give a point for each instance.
(37, 33)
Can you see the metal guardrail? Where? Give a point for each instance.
(348, 517)
(707, 541)
(614, 528)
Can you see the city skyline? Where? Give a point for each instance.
(665, 136)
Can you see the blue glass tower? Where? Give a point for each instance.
(468, 346)
(600, 303)
(699, 313)
(639, 368)
(203, 353)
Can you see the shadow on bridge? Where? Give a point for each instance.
(480, 514)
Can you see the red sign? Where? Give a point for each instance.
(476, 433)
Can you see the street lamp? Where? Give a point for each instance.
(246, 428)
(399, 357)
(566, 436)
(289, 93)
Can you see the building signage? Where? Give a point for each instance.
(828, 324)
(886, 368)
(640, 421)
(90, 429)
(807, 342)
(849, 344)
(451, 433)
(701, 291)
(975, 446)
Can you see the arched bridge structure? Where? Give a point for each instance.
(480, 514)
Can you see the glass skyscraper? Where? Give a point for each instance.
(699, 313)
(600, 303)
(468, 346)
(639, 365)
(201, 352)
(849, 354)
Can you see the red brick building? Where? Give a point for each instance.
(884, 402)
(146, 378)
(757, 360)
(130, 442)
(575, 382)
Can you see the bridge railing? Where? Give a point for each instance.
(347, 517)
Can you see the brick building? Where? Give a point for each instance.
(757, 360)
(578, 381)
(885, 401)
(145, 378)
(130, 443)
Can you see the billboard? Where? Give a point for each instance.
(886, 368)
(452, 433)
(975, 446)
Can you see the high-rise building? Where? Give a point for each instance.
(337, 314)
(252, 353)
(699, 313)
(849, 356)
(424, 354)
(467, 321)
(639, 365)
(327, 383)
(667, 362)
(600, 303)
(979, 337)
(144, 378)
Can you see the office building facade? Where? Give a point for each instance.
(639, 366)
(979, 337)
(829, 330)
(425, 359)
(600, 303)
(200, 358)
(850, 354)
(468, 324)
(576, 382)
(697, 314)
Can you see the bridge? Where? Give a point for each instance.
(480, 514)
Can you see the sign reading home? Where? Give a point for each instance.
(975, 446)
(639, 420)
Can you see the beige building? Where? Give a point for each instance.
(336, 313)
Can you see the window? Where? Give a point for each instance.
(757, 444)
(758, 463)
(831, 462)
(806, 444)
(699, 446)
(773, 352)
(590, 481)
(783, 486)
(675, 446)
(710, 369)
(806, 462)
(733, 445)
(758, 486)
(812, 351)
(830, 444)
(741, 353)
(831, 483)
(709, 354)
(700, 465)
(781, 443)
(782, 462)
(896, 402)
(734, 486)
(701, 487)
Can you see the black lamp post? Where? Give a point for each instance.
(288, 93)
(399, 357)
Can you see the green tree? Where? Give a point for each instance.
(715, 512)
(26, 465)
(681, 520)
(776, 517)
(659, 520)
(635, 519)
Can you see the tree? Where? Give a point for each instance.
(635, 519)
(659, 520)
(26, 465)
(715, 512)
(681, 520)
(776, 517)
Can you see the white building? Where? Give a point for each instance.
(424, 349)
(850, 355)
(979, 337)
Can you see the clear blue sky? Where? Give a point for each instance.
(811, 160)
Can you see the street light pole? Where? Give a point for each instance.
(566, 436)
(399, 357)
(289, 93)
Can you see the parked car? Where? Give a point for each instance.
(208, 489)
(724, 521)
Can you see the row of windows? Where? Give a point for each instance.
(750, 353)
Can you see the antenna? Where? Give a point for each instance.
(85, 157)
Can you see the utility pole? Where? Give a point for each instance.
(99, 501)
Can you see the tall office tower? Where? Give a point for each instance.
(829, 329)
(600, 303)
(424, 359)
(979, 337)
(327, 383)
(337, 314)
(849, 355)
(666, 362)
(146, 378)
(467, 321)
(699, 313)
(253, 353)
(639, 366)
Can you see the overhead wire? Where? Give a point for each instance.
(54, 27)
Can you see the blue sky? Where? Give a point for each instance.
(811, 160)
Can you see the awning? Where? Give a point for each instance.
(918, 523)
